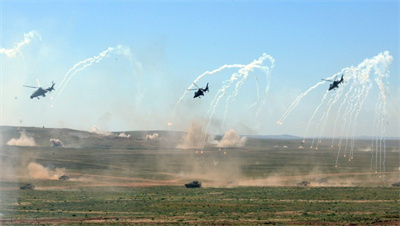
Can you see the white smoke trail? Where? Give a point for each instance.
(258, 91)
(312, 116)
(243, 75)
(78, 67)
(256, 64)
(298, 99)
(12, 52)
(379, 65)
(361, 99)
(90, 61)
(240, 77)
(325, 116)
(359, 81)
(172, 116)
(361, 78)
(382, 72)
(343, 103)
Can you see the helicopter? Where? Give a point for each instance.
(335, 83)
(40, 91)
(200, 91)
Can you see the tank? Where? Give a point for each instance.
(64, 177)
(396, 184)
(27, 186)
(193, 184)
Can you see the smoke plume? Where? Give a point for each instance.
(152, 136)
(232, 139)
(38, 171)
(194, 138)
(56, 142)
(23, 140)
(97, 130)
(124, 135)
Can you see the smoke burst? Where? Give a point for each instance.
(124, 135)
(194, 137)
(153, 136)
(37, 171)
(23, 140)
(56, 142)
(99, 131)
(232, 139)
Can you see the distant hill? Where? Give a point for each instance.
(371, 138)
(153, 139)
(83, 139)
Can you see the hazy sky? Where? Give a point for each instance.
(124, 65)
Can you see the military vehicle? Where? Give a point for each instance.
(396, 184)
(200, 91)
(40, 91)
(64, 177)
(28, 187)
(335, 83)
(193, 184)
(304, 183)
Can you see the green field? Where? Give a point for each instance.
(119, 180)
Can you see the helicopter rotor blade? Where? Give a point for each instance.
(31, 87)
(38, 83)
(327, 80)
(196, 85)
(192, 89)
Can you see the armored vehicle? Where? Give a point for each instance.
(193, 184)
(64, 177)
(27, 186)
(396, 184)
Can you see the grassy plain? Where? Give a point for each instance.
(134, 180)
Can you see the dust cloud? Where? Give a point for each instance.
(152, 136)
(37, 171)
(232, 139)
(316, 177)
(99, 131)
(56, 142)
(124, 135)
(194, 137)
(366, 149)
(23, 140)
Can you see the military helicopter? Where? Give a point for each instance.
(40, 91)
(335, 83)
(200, 91)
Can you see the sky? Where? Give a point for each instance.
(127, 65)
